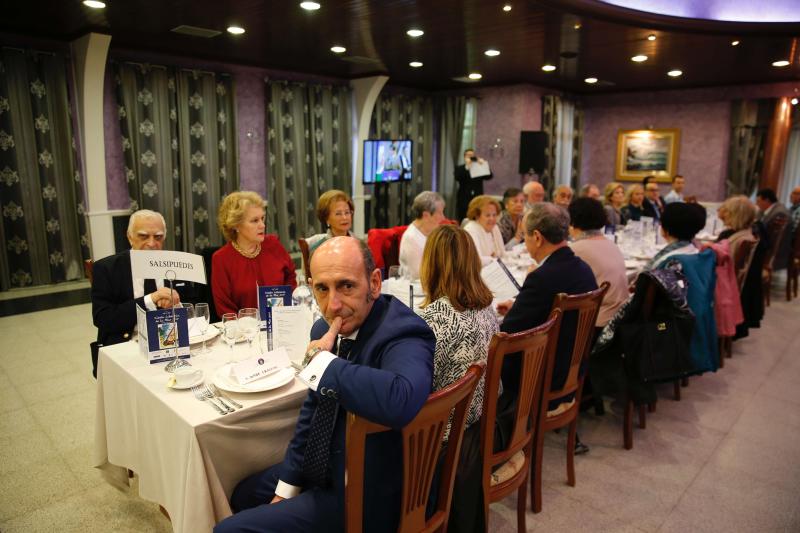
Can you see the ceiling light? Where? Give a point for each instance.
(794, 101)
(590, 80)
(95, 4)
(781, 63)
(639, 58)
(338, 49)
(235, 30)
(474, 76)
(548, 67)
(415, 32)
(734, 43)
(651, 37)
(577, 26)
(507, 8)
(491, 52)
(310, 6)
(675, 73)
(415, 64)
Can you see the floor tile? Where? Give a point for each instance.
(53, 388)
(43, 483)
(68, 421)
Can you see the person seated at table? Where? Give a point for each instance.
(458, 308)
(559, 270)
(587, 218)
(676, 193)
(115, 294)
(428, 211)
(335, 212)
(634, 198)
(679, 224)
(614, 199)
(510, 222)
(250, 259)
(562, 195)
(589, 190)
(534, 193)
(482, 213)
(738, 214)
(653, 205)
(383, 373)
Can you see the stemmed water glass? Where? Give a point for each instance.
(248, 324)
(202, 313)
(189, 316)
(230, 330)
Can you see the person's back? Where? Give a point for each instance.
(607, 263)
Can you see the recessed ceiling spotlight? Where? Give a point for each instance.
(548, 67)
(414, 32)
(577, 25)
(794, 101)
(507, 8)
(415, 64)
(475, 76)
(338, 49)
(734, 43)
(491, 52)
(310, 6)
(675, 73)
(639, 58)
(94, 4)
(235, 30)
(651, 37)
(590, 80)
(781, 63)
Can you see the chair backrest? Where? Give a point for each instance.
(534, 346)
(88, 270)
(775, 231)
(384, 243)
(303, 244)
(422, 439)
(742, 258)
(587, 306)
(206, 294)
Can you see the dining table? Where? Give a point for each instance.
(187, 456)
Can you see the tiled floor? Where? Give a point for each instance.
(725, 458)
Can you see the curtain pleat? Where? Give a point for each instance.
(452, 110)
(749, 124)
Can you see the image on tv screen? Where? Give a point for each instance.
(387, 161)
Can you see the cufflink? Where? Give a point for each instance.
(313, 377)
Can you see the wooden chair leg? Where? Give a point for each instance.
(684, 382)
(573, 428)
(721, 343)
(642, 417)
(676, 390)
(627, 425)
(651, 407)
(536, 475)
(522, 501)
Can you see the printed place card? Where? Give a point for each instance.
(260, 366)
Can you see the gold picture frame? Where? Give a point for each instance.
(642, 153)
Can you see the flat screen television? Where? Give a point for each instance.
(387, 161)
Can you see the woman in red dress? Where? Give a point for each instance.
(250, 259)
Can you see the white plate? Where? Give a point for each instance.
(197, 381)
(210, 333)
(223, 380)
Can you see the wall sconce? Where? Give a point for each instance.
(253, 136)
(497, 150)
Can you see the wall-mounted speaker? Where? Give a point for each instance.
(532, 145)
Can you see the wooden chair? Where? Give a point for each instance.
(627, 421)
(587, 306)
(742, 259)
(775, 231)
(303, 244)
(535, 347)
(422, 439)
(88, 270)
(793, 266)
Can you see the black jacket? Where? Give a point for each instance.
(468, 188)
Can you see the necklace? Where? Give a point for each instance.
(249, 255)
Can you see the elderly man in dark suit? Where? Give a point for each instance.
(769, 208)
(382, 371)
(115, 293)
(559, 270)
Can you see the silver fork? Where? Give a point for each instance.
(201, 394)
(217, 392)
(218, 397)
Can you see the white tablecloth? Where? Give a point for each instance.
(188, 457)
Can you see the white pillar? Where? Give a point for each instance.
(365, 93)
(89, 55)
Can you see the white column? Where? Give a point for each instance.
(365, 93)
(89, 55)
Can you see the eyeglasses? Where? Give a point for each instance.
(158, 237)
(342, 213)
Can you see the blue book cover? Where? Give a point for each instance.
(272, 296)
(162, 336)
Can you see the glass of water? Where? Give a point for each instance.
(248, 324)
(202, 314)
(230, 331)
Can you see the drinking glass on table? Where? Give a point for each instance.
(394, 271)
(189, 317)
(248, 324)
(230, 330)
(202, 314)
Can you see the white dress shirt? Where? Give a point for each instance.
(411, 247)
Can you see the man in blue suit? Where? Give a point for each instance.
(383, 372)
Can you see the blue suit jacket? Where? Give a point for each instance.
(386, 380)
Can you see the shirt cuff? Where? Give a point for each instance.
(149, 303)
(286, 491)
(312, 374)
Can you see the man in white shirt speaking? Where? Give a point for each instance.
(428, 210)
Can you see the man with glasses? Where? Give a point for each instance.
(653, 206)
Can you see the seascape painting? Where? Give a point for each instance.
(642, 153)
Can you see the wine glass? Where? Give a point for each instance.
(394, 271)
(230, 330)
(302, 295)
(248, 324)
(189, 318)
(202, 313)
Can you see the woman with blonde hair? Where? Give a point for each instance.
(738, 214)
(335, 212)
(613, 200)
(250, 258)
(483, 212)
(634, 203)
(458, 308)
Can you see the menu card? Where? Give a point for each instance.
(291, 330)
(160, 337)
(500, 280)
(270, 296)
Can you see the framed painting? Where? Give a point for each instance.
(643, 153)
